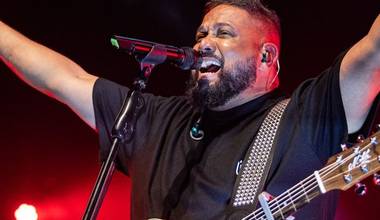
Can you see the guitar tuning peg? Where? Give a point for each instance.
(360, 189)
(360, 138)
(347, 178)
(364, 168)
(376, 179)
(374, 141)
(343, 147)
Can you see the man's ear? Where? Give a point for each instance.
(269, 54)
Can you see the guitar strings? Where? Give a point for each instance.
(327, 170)
(279, 198)
(330, 168)
(278, 201)
(323, 173)
(315, 187)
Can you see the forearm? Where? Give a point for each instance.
(374, 32)
(374, 53)
(368, 54)
(37, 65)
(49, 72)
(360, 77)
(363, 59)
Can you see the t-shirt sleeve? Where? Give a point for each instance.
(152, 122)
(107, 100)
(321, 111)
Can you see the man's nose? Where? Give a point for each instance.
(207, 46)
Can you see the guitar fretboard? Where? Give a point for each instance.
(290, 201)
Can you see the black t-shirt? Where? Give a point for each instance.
(176, 177)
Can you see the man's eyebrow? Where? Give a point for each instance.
(217, 25)
(222, 24)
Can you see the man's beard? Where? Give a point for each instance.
(231, 82)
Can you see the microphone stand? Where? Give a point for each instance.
(124, 127)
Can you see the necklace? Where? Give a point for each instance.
(196, 133)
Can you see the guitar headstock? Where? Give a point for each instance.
(352, 165)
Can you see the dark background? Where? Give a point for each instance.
(48, 157)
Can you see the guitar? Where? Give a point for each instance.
(342, 171)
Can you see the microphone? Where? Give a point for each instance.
(184, 58)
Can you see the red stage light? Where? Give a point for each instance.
(26, 212)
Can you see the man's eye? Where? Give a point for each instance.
(224, 33)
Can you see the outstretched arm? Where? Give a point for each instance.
(49, 72)
(360, 77)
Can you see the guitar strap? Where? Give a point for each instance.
(257, 162)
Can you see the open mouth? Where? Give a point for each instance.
(210, 66)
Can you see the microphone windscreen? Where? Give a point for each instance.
(191, 59)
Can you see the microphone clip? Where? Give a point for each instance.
(157, 55)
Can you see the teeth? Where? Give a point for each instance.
(208, 63)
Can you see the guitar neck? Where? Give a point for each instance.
(342, 171)
(290, 201)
